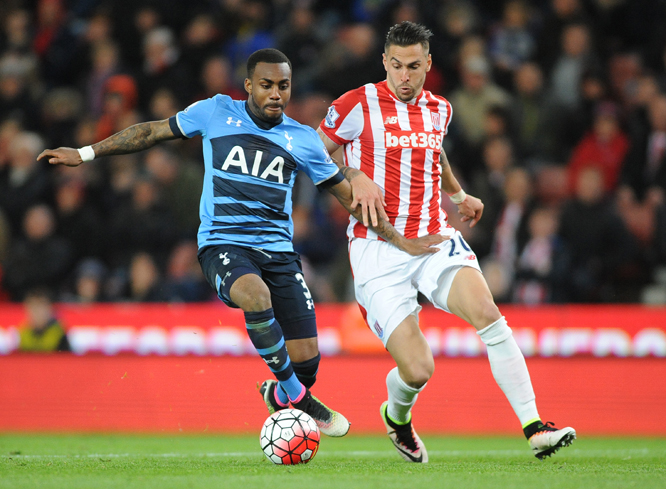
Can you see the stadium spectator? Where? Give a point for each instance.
(252, 32)
(88, 284)
(475, 97)
(488, 184)
(530, 115)
(349, 60)
(163, 103)
(217, 77)
(120, 98)
(26, 181)
(180, 185)
(577, 56)
(569, 125)
(164, 67)
(511, 42)
(41, 332)
(145, 283)
(184, 281)
(598, 244)
(105, 60)
(201, 41)
(644, 169)
(300, 41)
(539, 269)
(604, 147)
(561, 14)
(38, 259)
(510, 231)
(454, 22)
(62, 108)
(77, 221)
(144, 223)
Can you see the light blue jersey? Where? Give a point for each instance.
(250, 172)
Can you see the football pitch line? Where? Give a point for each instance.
(614, 453)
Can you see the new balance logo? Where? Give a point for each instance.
(231, 120)
(274, 360)
(391, 120)
(289, 146)
(470, 257)
(414, 140)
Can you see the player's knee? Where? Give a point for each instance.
(307, 371)
(486, 314)
(418, 373)
(257, 299)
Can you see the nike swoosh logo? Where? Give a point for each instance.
(409, 454)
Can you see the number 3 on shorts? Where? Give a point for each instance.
(306, 293)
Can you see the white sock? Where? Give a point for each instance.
(509, 369)
(401, 397)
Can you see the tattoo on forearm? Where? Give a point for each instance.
(135, 138)
(444, 161)
(386, 231)
(349, 173)
(384, 228)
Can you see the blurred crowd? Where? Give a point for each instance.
(559, 126)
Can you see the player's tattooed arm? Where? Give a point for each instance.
(135, 138)
(418, 246)
(365, 192)
(130, 140)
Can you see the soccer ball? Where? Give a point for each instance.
(289, 437)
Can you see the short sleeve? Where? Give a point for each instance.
(344, 121)
(319, 165)
(194, 119)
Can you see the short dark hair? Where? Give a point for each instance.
(268, 55)
(407, 34)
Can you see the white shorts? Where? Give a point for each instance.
(387, 280)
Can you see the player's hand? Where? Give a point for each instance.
(471, 209)
(62, 156)
(424, 245)
(369, 196)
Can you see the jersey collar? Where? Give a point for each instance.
(260, 123)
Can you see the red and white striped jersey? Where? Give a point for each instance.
(398, 145)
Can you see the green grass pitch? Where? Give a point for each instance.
(215, 461)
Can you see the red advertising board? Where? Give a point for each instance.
(190, 367)
(214, 329)
(197, 394)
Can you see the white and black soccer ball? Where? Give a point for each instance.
(290, 437)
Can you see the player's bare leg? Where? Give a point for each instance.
(471, 300)
(415, 365)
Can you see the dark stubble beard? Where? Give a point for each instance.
(261, 113)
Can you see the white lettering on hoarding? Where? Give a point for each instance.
(611, 341)
(452, 342)
(650, 341)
